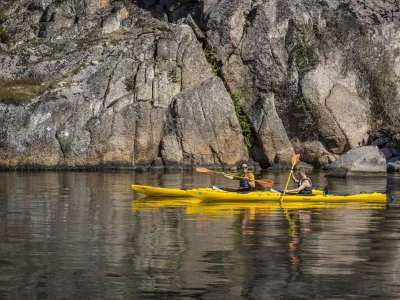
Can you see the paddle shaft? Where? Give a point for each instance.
(262, 182)
(234, 176)
(240, 177)
(287, 182)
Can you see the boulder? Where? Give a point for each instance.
(362, 161)
(394, 147)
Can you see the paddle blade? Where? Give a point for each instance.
(265, 183)
(204, 170)
(295, 159)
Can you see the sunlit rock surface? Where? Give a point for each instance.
(110, 76)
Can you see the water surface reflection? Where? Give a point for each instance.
(89, 236)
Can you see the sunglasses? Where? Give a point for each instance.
(244, 167)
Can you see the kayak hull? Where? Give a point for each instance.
(220, 195)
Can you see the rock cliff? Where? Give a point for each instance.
(135, 84)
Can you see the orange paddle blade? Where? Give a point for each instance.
(295, 159)
(266, 183)
(204, 170)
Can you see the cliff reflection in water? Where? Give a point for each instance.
(266, 249)
(89, 236)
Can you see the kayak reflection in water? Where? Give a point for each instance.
(304, 184)
(246, 183)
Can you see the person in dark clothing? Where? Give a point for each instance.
(304, 184)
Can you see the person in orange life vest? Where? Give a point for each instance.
(304, 184)
(247, 182)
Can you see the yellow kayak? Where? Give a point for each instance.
(219, 195)
(155, 191)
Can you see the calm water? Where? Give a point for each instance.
(89, 236)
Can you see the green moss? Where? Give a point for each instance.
(51, 58)
(5, 37)
(36, 42)
(175, 75)
(212, 59)
(18, 91)
(130, 83)
(379, 84)
(3, 17)
(305, 55)
(247, 130)
(305, 123)
(78, 68)
(305, 52)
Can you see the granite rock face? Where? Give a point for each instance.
(92, 118)
(136, 84)
(202, 129)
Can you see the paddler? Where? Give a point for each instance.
(247, 182)
(304, 183)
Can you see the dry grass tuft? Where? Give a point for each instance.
(18, 91)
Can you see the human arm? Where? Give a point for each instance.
(227, 176)
(300, 188)
(295, 180)
(250, 178)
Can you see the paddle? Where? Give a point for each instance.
(266, 183)
(295, 159)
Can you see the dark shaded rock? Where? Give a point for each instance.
(380, 141)
(270, 132)
(393, 167)
(157, 164)
(394, 160)
(388, 153)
